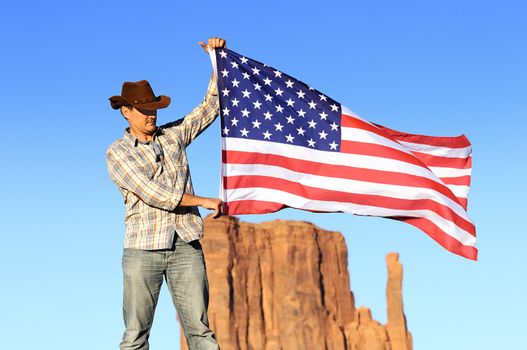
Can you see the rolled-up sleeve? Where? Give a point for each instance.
(127, 175)
(201, 117)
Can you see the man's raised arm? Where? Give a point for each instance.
(204, 114)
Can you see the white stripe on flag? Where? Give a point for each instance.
(449, 172)
(291, 200)
(344, 185)
(460, 191)
(359, 135)
(334, 158)
(437, 150)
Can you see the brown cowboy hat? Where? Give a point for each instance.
(140, 95)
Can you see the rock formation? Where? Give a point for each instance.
(284, 285)
(398, 334)
(366, 334)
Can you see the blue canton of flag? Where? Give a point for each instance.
(261, 103)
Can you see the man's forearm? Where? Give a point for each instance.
(213, 78)
(190, 200)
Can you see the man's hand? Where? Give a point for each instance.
(213, 43)
(213, 204)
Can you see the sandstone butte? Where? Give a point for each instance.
(284, 285)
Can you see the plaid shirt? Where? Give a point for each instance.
(153, 176)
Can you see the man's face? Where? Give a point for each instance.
(141, 121)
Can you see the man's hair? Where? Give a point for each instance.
(127, 107)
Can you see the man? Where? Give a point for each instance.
(163, 224)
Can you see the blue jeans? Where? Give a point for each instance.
(183, 268)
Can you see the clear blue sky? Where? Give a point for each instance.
(433, 67)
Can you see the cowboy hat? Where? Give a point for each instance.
(140, 95)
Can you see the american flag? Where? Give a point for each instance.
(286, 144)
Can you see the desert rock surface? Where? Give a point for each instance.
(284, 285)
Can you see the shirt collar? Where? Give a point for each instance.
(134, 140)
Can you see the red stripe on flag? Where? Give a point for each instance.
(314, 193)
(463, 202)
(376, 150)
(337, 171)
(458, 180)
(448, 242)
(447, 162)
(252, 207)
(364, 148)
(347, 121)
(460, 141)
